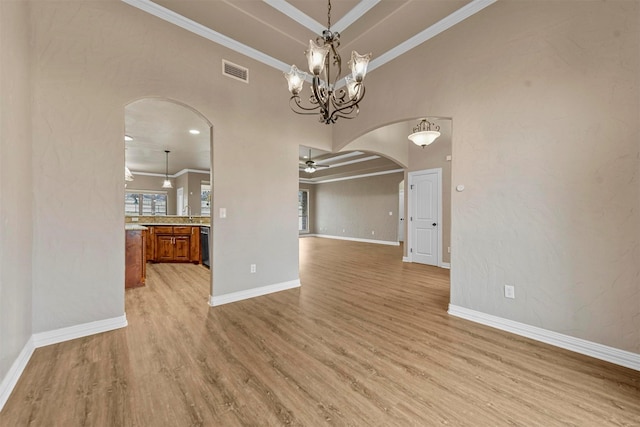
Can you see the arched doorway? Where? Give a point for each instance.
(168, 187)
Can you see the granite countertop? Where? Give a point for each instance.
(134, 227)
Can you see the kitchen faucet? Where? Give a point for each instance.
(188, 209)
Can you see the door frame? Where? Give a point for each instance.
(409, 234)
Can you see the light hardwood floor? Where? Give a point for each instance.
(366, 341)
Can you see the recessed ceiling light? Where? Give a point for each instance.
(194, 132)
(305, 157)
(128, 138)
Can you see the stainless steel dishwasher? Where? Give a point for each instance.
(204, 246)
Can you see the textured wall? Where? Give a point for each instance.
(358, 206)
(15, 183)
(545, 101)
(93, 59)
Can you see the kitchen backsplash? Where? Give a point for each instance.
(169, 219)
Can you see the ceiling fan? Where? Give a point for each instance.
(310, 166)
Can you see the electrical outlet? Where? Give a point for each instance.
(253, 268)
(509, 291)
(343, 230)
(373, 232)
(448, 249)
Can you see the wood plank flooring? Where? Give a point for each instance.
(366, 341)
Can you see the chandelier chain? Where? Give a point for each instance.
(329, 15)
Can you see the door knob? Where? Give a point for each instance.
(434, 224)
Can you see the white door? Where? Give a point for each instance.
(401, 214)
(424, 188)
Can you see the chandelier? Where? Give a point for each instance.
(323, 59)
(423, 135)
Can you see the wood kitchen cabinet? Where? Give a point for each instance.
(151, 244)
(194, 249)
(135, 259)
(176, 244)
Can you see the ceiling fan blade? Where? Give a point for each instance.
(322, 166)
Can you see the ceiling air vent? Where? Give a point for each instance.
(234, 71)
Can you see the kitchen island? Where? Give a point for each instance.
(135, 255)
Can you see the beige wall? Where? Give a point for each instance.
(358, 206)
(93, 59)
(15, 184)
(545, 101)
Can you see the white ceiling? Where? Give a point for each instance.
(275, 32)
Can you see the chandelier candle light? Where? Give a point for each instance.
(325, 99)
(423, 135)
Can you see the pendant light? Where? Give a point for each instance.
(423, 134)
(167, 183)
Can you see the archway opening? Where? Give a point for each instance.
(168, 193)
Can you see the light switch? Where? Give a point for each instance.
(223, 212)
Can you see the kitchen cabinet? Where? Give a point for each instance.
(151, 244)
(135, 258)
(175, 243)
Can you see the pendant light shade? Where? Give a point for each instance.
(166, 183)
(128, 176)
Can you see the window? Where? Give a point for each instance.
(303, 211)
(145, 203)
(205, 199)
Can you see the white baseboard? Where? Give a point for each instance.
(442, 265)
(78, 331)
(11, 378)
(215, 300)
(356, 239)
(307, 235)
(578, 345)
